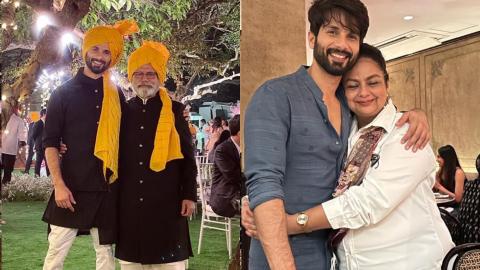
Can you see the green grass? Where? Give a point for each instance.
(25, 242)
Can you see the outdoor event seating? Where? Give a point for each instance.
(210, 220)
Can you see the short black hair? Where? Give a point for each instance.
(234, 125)
(323, 11)
(369, 51)
(43, 112)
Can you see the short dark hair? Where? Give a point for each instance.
(369, 51)
(323, 11)
(203, 121)
(43, 112)
(234, 125)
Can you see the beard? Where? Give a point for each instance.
(145, 91)
(333, 68)
(97, 69)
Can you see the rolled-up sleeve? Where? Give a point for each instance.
(267, 124)
(398, 174)
(52, 133)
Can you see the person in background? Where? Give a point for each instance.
(37, 136)
(450, 178)
(13, 138)
(215, 132)
(223, 137)
(31, 144)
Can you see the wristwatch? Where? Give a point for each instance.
(302, 220)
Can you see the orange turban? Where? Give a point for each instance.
(153, 53)
(113, 35)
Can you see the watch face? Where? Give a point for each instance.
(302, 219)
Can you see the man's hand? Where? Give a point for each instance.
(248, 221)
(63, 148)
(418, 133)
(64, 198)
(187, 208)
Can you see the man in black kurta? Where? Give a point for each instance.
(84, 113)
(153, 203)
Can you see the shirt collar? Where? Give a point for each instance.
(385, 119)
(303, 75)
(87, 80)
(236, 146)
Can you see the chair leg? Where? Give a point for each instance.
(201, 234)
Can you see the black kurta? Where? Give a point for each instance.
(151, 228)
(73, 115)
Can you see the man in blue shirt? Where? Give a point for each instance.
(296, 131)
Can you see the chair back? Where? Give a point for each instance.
(469, 214)
(451, 222)
(205, 172)
(200, 159)
(463, 257)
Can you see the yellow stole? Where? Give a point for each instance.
(107, 141)
(167, 141)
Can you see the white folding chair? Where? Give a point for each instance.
(210, 220)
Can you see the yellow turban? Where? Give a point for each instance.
(153, 53)
(111, 34)
(166, 146)
(107, 140)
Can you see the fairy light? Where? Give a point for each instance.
(46, 83)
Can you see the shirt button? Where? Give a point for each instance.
(96, 91)
(337, 142)
(98, 122)
(141, 199)
(325, 120)
(141, 163)
(97, 107)
(141, 181)
(140, 145)
(144, 110)
(141, 127)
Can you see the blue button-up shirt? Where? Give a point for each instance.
(293, 153)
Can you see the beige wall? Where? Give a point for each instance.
(272, 42)
(445, 82)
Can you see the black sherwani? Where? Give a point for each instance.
(73, 117)
(151, 229)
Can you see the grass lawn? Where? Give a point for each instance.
(25, 242)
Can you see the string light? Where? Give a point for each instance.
(46, 83)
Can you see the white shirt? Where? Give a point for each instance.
(393, 217)
(13, 133)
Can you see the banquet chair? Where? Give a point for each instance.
(451, 222)
(210, 220)
(469, 214)
(463, 257)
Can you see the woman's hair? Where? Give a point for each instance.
(369, 51)
(223, 137)
(477, 164)
(450, 164)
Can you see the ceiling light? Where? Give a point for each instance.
(408, 18)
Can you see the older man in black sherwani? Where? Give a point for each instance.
(157, 170)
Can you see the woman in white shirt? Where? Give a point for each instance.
(391, 218)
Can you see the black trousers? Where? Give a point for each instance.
(39, 160)
(8, 161)
(28, 163)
